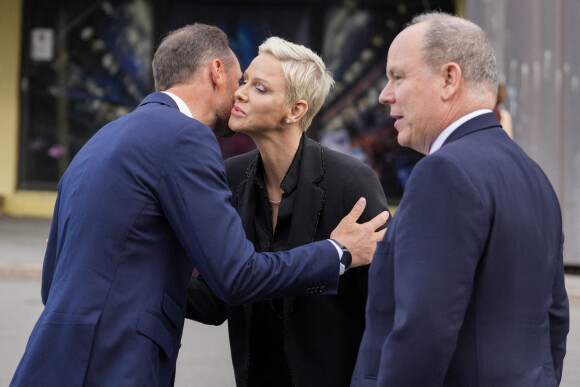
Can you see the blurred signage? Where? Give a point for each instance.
(42, 44)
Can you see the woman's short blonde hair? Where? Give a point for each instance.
(307, 77)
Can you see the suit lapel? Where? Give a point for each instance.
(309, 196)
(245, 200)
(308, 204)
(247, 194)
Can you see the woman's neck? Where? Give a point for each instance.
(277, 155)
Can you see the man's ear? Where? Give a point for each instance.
(452, 78)
(217, 72)
(297, 110)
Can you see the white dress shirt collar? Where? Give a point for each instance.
(451, 128)
(180, 104)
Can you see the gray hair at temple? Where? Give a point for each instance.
(183, 52)
(450, 38)
(306, 74)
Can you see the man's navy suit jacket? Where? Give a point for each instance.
(143, 203)
(467, 288)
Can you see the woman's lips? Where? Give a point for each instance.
(237, 111)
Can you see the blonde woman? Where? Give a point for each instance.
(291, 191)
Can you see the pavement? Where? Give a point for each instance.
(204, 358)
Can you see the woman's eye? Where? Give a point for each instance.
(261, 88)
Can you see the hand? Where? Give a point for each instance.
(360, 239)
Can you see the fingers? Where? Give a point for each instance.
(356, 211)
(379, 235)
(378, 220)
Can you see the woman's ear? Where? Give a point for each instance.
(297, 111)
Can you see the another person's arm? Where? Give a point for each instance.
(559, 318)
(362, 181)
(202, 304)
(196, 200)
(50, 255)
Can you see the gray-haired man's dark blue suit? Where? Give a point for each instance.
(467, 288)
(143, 203)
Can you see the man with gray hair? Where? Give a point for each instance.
(467, 289)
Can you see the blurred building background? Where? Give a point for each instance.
(70, 66)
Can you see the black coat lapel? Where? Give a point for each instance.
(247, 194)
(309, 196)
(308, 204)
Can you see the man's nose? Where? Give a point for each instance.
(386, 97)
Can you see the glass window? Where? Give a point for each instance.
(85, 63)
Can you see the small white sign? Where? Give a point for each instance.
(42, 44)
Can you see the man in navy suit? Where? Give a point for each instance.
(467, 289)
(143, 203)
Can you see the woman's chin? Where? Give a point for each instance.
(235, 127)
(238, 129)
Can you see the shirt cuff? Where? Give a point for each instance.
(339, 250)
